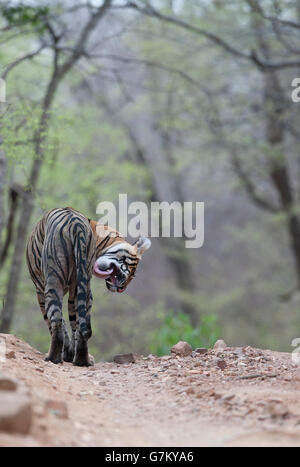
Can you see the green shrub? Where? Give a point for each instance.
(178, 327)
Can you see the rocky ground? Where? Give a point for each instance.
(220, 397)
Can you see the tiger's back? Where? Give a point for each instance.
(51, 246)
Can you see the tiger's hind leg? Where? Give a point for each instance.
(67, 340)
(41, 300)
(53, 303)
(69, 345)
(81, 357)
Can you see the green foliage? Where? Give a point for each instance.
(24, 14)
(178, 327)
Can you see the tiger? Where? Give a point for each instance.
(64, 251)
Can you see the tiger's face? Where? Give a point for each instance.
(117, 265)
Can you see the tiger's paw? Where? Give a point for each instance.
(68, 354)
(84, 361)
(81, 362)
(54, 359)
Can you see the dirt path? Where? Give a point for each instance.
(234, 397)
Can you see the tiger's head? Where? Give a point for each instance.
(116, 259)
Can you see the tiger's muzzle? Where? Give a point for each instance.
(116, 282)
(110, 271)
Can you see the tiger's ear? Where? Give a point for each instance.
(142, 244)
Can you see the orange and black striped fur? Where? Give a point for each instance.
(63, 251)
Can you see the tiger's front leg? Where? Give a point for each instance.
(69, 345)
(81, 357)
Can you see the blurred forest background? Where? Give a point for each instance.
(165, 100)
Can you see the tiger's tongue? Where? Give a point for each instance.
(102, 274)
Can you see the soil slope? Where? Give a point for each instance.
(230, 397)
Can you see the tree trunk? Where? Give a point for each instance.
(2, 184)
(275, 108)
(26, 210)
(274, 103)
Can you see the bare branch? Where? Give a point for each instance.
(258, 17)
(29, 56)
(80, 6)
(78, 50)
(280, 37)
(151, 63)
(153, 12)
(250, 187)
(259, 10)
(252, 55)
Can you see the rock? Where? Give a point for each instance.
(124, 358)
(200, 351)
(10, 354)
(182, 348)
(58, 408)
(138, 357)
(8, 384)
(150, 357)
(221, 364)
(15, 412)
(228, 398)
(275, 400)
(220, 345)
(275, 410)
(195, 372)
(215, 395)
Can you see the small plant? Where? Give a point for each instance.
(178, 327)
